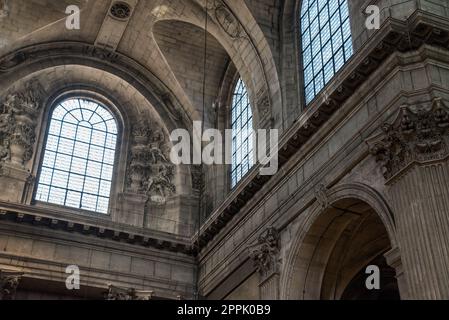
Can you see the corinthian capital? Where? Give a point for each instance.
(419, 134)
(9, 281)
(265, 252)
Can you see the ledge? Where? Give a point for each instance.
(101, 228)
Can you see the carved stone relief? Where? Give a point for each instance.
(18, 120)
(322, 196)
(263, 103)
(116, 293)
(149, 170)
(265, 252)
(4, 9)
(419, 134)
(226, 19)
(9, 281)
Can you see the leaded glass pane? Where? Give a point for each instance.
(77, 168)
(242, 126)
(326, 42)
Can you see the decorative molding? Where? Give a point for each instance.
(419, 134)
(265, 252)
(117, 293)
(13, 213)
(150, 171)
(9, 281)
(19, 113)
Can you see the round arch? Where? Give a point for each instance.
(322, 240)
(26, 61)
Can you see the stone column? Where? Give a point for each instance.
(265, 255)
(414, 153)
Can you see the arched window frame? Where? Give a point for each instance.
(119, 167)
(301, 50)
(233, 183)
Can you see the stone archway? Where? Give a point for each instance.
(336, 244)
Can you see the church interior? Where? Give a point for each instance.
(94, 93)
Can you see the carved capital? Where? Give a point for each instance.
(265, 252)
(9, 281)
(419, 134)
(117, 293)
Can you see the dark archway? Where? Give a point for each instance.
(356, 290)
(336, 247)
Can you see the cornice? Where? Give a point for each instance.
(90, 226)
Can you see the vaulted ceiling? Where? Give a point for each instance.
(164, 36)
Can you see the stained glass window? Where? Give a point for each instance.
(326, 42)
(79, 156)
(242, 133)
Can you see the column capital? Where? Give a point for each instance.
(9, 281)
(418, 135)
(117, 293)
(265, 252)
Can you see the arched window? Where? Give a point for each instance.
(326, 42)
(242, 133)
(79, 156)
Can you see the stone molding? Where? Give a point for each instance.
(104, 230)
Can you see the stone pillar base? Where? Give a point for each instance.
(15, 183)
(131, 209)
